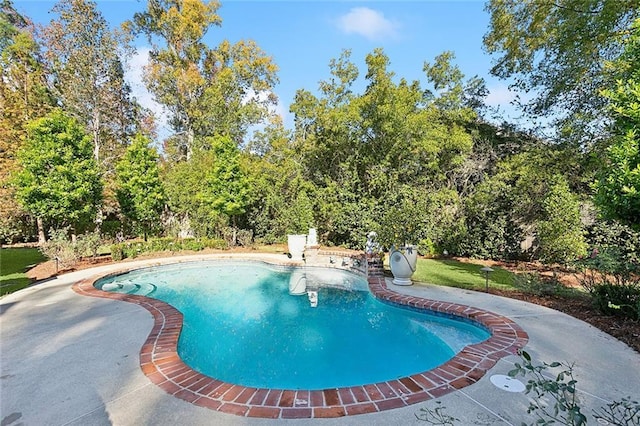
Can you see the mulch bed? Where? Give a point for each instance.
(623, 329)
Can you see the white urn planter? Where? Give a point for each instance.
(403, 264)
(297, 243)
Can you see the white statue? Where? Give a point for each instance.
(373, 246)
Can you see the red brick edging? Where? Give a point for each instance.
(160, 362)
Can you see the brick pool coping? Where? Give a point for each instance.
(160, 362)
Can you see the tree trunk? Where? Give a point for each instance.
(190, 139)
(42, 238)
(96, 155)
(235, 231)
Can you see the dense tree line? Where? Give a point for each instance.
(416, 161)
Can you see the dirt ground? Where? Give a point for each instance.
(623, 329)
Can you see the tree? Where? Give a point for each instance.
(559, 231)
(219, 91)
(86, 61)
(618, 185)
(59, 181)
(23, 97)
(492, 230)
(226, 185)
(388, 146)
(184, 185)
(276, 175)
(558, 51)
(139, 189)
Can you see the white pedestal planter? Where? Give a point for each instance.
(403, 264)
(312, 238)
(297, 243)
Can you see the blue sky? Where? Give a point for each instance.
(303, 36)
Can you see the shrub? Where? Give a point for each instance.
(215, 243)
(60, 248)
(132, 249)
(612, 281)
(245, 237)
(193, 244)
(618, 299)
(607, 236)
(559, 231)
(88, 244)
(534, 283)
(117, 252)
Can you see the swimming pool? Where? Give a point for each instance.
(163, 366)
(243, 325)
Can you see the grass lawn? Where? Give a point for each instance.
(459, 274)
(14, 262)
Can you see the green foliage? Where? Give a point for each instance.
(614, 237)
(84, 57)
(24, 95)
(298, 216)
(559, 52)
(618, 185)
(184, 185)
(88, 244)
(612, 281)
(139, 189)
(59, 180)
(617, 299)
(505, 208)
(554, 399)
(410, 216)
(245, 237)
(342, 217)
(559, 231)
(226, 185)
(209, 190)
(67, 252)
(382, 157)
(207, 91)
(534, 283)
(133, 249)
(625, 412)
(60, 248)
(277, 206)
(492, 230)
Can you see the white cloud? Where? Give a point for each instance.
(133, 75)
(368, 23)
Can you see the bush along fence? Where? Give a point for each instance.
(132, 249)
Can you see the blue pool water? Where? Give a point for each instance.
(242, 326)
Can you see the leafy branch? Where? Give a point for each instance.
(563, 408)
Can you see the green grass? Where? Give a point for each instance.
(459, 274)
(14, 262)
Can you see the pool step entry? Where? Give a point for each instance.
(298, 283)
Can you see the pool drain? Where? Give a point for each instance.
(507, 383)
